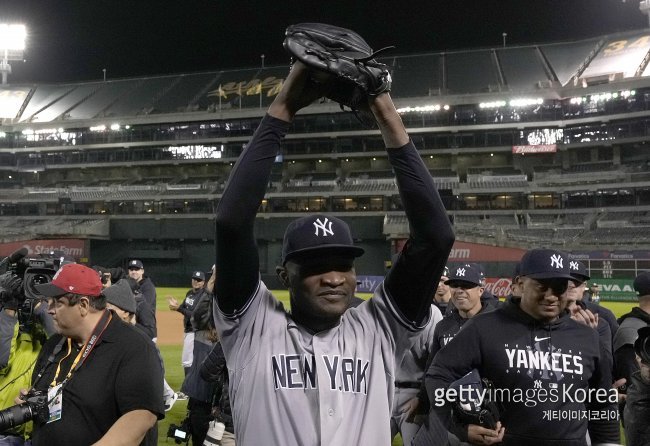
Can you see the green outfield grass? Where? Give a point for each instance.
(174, 372)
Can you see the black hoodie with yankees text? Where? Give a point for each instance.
(548, 377)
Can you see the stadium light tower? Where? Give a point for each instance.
(12, 46)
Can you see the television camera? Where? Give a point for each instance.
(19, 276)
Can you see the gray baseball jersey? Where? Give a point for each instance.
(409, 380)
(415, 360)
(291, 387)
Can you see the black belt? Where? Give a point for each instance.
(408, 385)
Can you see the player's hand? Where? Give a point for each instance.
(173, 303)
(410, 408)
(298, 91)
(482, 435)
(585, 317)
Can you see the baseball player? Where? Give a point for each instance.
(466, 286)
(580, 278)
(586, 312)
(443, 293)
(515, 289)
(540, 363)
(322, 374)
(186, 308)
(631, 322)
(411, 400)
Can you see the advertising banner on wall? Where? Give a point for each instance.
(74, 248)
(536, 148)
(474, 252)
(368, 284)
(610, 289)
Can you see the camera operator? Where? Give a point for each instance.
(24, 326)
(104, 373)
(105, 275)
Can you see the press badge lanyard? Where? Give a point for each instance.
(85, 350)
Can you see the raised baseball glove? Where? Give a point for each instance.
(342, 63)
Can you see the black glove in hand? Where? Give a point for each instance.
(342, 62)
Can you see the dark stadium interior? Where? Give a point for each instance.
(136, 166)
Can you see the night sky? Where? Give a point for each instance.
(73, 40)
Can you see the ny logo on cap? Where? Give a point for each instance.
(574, 266)
(557, 261)
(460, 272)
(325, 226)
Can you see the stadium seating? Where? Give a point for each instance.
(163, 145)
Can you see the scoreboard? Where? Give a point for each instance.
(615, 271)
(616, 268)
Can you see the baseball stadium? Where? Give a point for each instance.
(547, 147)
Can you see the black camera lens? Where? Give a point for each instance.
(15, 416)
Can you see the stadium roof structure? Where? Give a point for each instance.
(548, 70)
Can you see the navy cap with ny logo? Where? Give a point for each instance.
(545, 264)
(315, 233)
(579, 270)
(467, 273)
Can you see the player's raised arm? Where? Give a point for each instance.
(413, 279)
(237, 258)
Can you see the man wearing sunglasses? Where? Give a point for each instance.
(540, 362)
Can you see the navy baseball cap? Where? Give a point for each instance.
(642, 284)
(318, 233)
(198, 275)
(481, 270)
(468, 273)
(136, 264)
(545, 264)
(579, 271)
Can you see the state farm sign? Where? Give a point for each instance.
(75, 248)
(475, 252)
